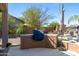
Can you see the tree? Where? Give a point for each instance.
(20, 29)
(54, 25)
(73, 18)
(36, 16)
(10, 23)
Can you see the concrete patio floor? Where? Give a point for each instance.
(16, 51)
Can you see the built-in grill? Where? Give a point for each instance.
(38, 35)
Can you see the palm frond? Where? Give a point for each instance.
(73, 18)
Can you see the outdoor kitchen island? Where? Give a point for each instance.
(49, 41)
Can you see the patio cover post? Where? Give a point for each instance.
(4, 25)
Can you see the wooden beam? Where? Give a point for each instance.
(3, 6)
(4, 24)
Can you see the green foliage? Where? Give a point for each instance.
(73, 18)
(10, 24)
(10, 21)
(42, 28)
(31, 16)
(54, 25)
(36, 16)
(62, 39)
(20, 29)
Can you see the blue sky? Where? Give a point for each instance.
(16, 9)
